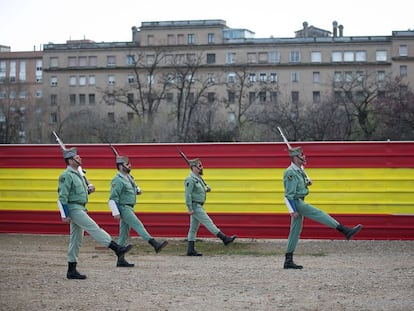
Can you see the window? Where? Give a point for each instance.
(82, 99)
(274, 57)
(361, 56)
(111, 116)
(231, 77)
(316, 77)
(211, 58)
(348, 76)
(110, 61)
(38, 94)
(53, 81)
(211, 96)
(171, 39)
(72, 61)
(262, 96)
(316, 96)
(150, 59)
(82, 80)
(53, 99)
(295, 97)
(72, 80)
(150, 79)
(252, 97)
(72, 99)
(337, 76)
(22, 94)
(230, 58)
(403, 71)
(360, 75)
(336, 56)
(12, 72)
(130, 60)
(348, 56)
(53, 117)
(294, 76)
(180, 39)
(381, 75)
(262, 77)
(169, 97)
(92, 80)
(190, 38)
(83, 61)
(130, 98)
(131, 78)
(130, 116)
(210, 78)
(91, 99)
(294, 57)
(211, 38)
(273, 97)
(403, 50)
(381, 56)
(111, 80)
(111, 99)
(273, 77)
(316, 57)
(22, 71)
(231, 117)
(252, 77)
(231, 97)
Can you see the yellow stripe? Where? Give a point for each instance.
(338, 190)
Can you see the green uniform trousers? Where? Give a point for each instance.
(80, 222)
(200, 216)
(309, 211)
(130, 220)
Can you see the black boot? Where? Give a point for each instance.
(118, 249)
(191, 250)
(73, 274)
(289, 264)
(226, 239)
(157, 245)
(348, 232)
(123, 263)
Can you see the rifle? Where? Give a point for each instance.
(114, 150)
(308, 180)
(80, 170)
(208, 189)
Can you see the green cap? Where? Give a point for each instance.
(70, 153)
(122, 160)
(194, 162)
(297, 151)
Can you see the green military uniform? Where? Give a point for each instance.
(195, 196)
(73, 192)
(296, 189)
(123, 193)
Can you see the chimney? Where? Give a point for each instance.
(335, 28)
(341, 30)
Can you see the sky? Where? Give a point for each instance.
(27, 25)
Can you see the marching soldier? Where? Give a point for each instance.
(73, 196)
(195, 196)
(122, 200)
(296, 184)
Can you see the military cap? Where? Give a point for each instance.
(122, 160)
(70, 153)
(194, 162)
(296, 151)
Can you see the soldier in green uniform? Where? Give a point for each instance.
(195, 196)
(73, 196)
(122, 199)
(296, 184)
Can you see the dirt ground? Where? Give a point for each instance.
(337, 275)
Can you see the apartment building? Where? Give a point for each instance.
(21, 87)
(90, 76)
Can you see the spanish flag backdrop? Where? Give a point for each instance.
(356, 182)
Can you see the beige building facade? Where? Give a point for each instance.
(85, 75)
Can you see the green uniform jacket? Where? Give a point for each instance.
(123, 191)
(295, 183)
(72, 188)
(195, 191)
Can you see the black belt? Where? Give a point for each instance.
(83, 204)
(130, 205)
(201, 203)
(301, 198)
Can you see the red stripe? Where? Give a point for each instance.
(217, 155)
(269, 226)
